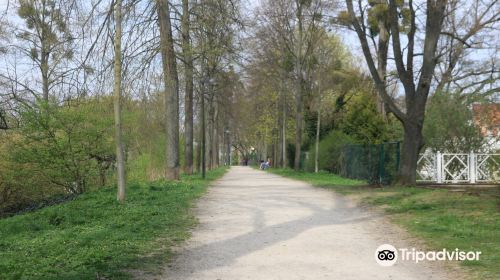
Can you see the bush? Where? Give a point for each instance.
(67, 146)
(329, 151)
(364, 124)
(56, 150)
(449, 125)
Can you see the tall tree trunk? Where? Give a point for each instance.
(117, 90)
(383, 48)
(199, 146)
(275, 152)
(203, 125)
(216, 146)
(229, 149)
(265, 152)
(318, 126)
(188, 73)
(415, 93)
(44, 53)
(283, 140)
(299, 116)
(171, 90)
(277, 134)
(412, 144)
(203, 130)
(283, 126)
(44, 67)
(210, 156)
(203, 137)
(298, 90)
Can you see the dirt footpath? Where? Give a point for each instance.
(256, 225)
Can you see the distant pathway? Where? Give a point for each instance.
(256, 225)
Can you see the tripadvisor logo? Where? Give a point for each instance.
(387, 255)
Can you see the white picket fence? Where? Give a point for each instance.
(458, 168)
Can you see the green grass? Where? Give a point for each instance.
(95, 235)
(467, 220)
(321, 179)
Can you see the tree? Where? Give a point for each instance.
(379, 25)
(274, 55)
(468, 50)
(290, 28)
(214, 33)
(188, 88)
(3, 120)
(117, 92)
(318, 129)
(171, 84)
(47, 36)
(450, 125)
(308, 17)
(328, 63)
(299, 86)
(416, 82)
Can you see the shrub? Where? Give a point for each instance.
(449, 125)
(59, 147)
(329, 151)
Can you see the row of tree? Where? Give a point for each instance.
(412, 50)
(59, 57)
(189, 81)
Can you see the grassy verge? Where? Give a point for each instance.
(95, 235)
(319, 179)
(468, 220)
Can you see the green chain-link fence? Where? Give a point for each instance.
(377, 164)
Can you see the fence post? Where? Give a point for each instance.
(472, 167)
(439, 167)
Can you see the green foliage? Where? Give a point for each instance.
(379, 12)
(449, 124)
(343, 18)
(288, 61)
(56, 150)
(70, 148)
(357, 121)
(330, 149)
(362, 121)
(62, 145)
(95, 235)
(49, 26)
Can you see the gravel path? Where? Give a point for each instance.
(256, 225)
